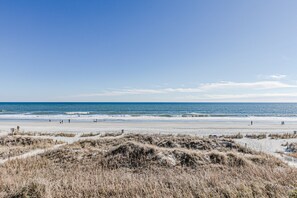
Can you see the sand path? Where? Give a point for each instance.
(31, 153)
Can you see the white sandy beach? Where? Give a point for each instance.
(200, 127)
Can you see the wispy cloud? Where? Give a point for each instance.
(141, 92)
(273, 77)
(251, 85)
(243, 97)
(251, 96)
(278, 76)
(124, 92)
(202, 88)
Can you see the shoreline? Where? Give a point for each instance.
(169, 118)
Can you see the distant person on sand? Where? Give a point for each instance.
(252, 123)
(69, 120)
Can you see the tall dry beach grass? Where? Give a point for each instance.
(149, 166)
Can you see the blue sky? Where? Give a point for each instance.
(168, 50)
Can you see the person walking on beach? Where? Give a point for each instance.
(69, 121)
(252, 123)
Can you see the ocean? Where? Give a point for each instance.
(143, 111)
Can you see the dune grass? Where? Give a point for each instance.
(235, 136)
(60, 134)
(283, 136)
(149, 166)
(89, 134)
(112, 134)
(256, 136)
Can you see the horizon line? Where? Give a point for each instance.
(136, 102)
